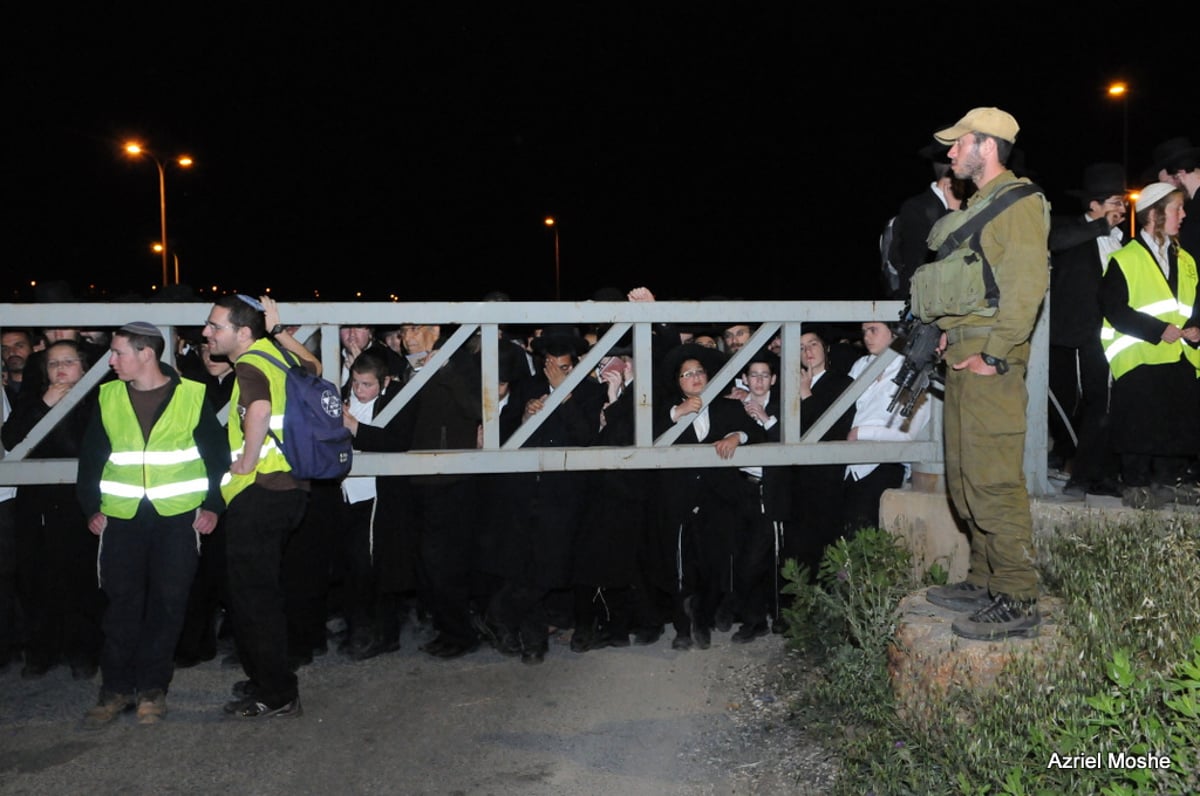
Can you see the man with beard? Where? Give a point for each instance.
(16, 346)
(988, 351)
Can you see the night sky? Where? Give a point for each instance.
(720, 150)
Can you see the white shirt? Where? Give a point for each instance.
(871, 415)
(1160, 254)
(1108, 244)
(356, 489)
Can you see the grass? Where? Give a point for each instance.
(1124, 680)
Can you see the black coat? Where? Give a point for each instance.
(615, 521)
(818, 487)
(910, 230)
(535, 516)
(395, 541)
(1075, 276)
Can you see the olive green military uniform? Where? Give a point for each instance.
(985, 415)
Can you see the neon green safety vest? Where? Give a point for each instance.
(270, 457)
(167, 468)
(1149, 293)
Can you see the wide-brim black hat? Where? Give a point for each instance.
(938, 153)
(711, 359)
(1100, 181)
(1173, 154)
(514, 364)
(560, 334)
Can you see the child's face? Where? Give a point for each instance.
(366, 386)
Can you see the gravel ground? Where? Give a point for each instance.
(640, 720)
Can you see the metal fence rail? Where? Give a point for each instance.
(319, 323)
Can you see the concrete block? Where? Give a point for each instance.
(930, 528)
(928, 659)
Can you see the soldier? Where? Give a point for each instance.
(988, 351)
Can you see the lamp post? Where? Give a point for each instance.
(1120, 90)
(135, 149)
(550, 222)
(158, 248)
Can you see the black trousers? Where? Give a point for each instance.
(861, 497)
(146, 568)
(443, 514)
(56, 577)
(754, 556)
(259, 525)
(1079, 381)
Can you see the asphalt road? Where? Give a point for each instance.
(639, 720)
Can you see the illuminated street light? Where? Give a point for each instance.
(158, 248)
(554, 228)
(134, 149)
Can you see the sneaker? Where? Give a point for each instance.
(1142, 497)
(1005, 617)
(961, 596)
(106, 710)
(151, 707)
(253, 709)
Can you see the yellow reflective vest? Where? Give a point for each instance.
(167, 468)
(1150, 294)
(270, 457)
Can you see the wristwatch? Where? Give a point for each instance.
(1001, 365)
(277, 328)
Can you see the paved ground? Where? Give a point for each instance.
(641, 720)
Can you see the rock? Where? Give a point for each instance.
(928, 659)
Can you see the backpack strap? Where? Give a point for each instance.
(285, 368)
(973, 226)
(287, 365)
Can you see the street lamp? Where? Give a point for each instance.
(554, 228)
(158, 248)
(1120, 90)
(134, 149)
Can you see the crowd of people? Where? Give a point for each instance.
(285, 568)
(505, 559)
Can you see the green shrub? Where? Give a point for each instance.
(849, 616)
(1125, 678)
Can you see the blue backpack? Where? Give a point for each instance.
(316, 443)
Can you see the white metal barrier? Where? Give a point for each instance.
(637, 318)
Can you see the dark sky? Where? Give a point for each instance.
(738, 152)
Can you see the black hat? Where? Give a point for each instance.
(1174, 154)
(711, 359)
(514, 364)
(561, 334)
(938, 153)
(1100, 181)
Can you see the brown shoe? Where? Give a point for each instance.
(152, 706)
(106, 710)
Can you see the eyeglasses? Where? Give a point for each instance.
(216, 327)
(695, 373)
(61, 363)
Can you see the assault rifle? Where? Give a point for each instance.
(922, 363)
